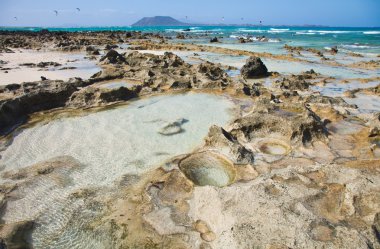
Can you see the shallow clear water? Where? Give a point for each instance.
(108, 145)
(214, 176)
(344, 127)
(116, 85)
(365, 103)
(287, 67)
(338, 89)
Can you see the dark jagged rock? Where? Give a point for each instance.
(34, 97)
(254, 68)
(109, 46)
(48, 64)
(107, 74)
(214, 40)
(252, 90)
(211, 76)
(167, 60)
(376, 227)
(220, 139)
(297, 82)
(42, 64)
(169, 70)
(91, 50)
(301, 127)
(112, 57)
(92, 96)
(180, 85)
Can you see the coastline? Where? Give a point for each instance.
(280, 150)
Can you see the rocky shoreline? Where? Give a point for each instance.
(293, 169)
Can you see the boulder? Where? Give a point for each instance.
(112, 57)
(214, 40)
(254, 68)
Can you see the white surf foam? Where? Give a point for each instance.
(371, 32)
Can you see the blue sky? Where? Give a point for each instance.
(359, 13)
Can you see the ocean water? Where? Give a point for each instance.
(361, 40)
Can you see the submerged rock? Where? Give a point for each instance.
(173, 128)
(370, 91)
(16, 235)
(42, 168)
(254, 68)
(209, 236)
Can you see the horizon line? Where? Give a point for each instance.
(191, 25)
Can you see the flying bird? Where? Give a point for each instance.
(56, 12)
(15, 18)
(78, 9)
(186, 17)
(223, 18)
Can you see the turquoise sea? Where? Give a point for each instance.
(362, 40)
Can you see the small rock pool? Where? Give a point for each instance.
(109, 144)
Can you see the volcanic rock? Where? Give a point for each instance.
(254, 68)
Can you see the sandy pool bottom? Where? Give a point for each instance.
(109, 145)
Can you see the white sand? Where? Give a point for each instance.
(18, 74)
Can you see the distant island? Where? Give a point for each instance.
(170, 21)
(159, 21)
